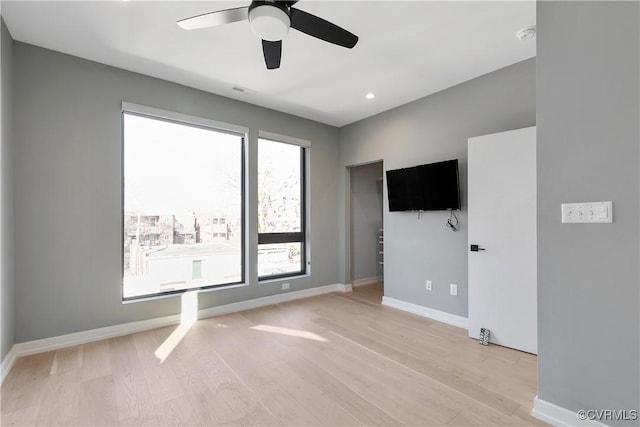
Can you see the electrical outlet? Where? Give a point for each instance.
(285, 286)
(453, 290)
(428, 285)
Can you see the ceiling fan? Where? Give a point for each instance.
(270, 20)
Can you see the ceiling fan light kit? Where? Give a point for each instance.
(270, 20)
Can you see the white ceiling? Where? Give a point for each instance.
(407, 50)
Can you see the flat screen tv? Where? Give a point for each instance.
(430, 187)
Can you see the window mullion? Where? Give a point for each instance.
(267, 238)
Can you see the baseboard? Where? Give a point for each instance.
(270, 300)
(559, 416)
(83, 337)
(7, 363)
(440, 316)
(366, 281)
(345, 288)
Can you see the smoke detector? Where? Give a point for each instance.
(526, 33)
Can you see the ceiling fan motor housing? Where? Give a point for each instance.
(269, 20)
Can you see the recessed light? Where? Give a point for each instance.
(370, 95)
(526, 33)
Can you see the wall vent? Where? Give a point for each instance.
(244, 90)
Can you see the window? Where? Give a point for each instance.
(281, 209)
(183, 206)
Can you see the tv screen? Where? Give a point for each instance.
(429, 187)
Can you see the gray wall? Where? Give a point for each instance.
(68, 191)
(431, 129)
(366, 220)
(588, 150)
(6, 193)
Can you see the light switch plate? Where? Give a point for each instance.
(588, 212)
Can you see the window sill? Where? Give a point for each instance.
(144, 298)
(283, 279)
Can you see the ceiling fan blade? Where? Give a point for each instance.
(272, 53)
(319, 28)
(213, 19)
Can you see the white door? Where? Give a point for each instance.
(502, 221)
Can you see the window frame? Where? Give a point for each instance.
(202, 123)
(290, 237)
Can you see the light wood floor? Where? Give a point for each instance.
(332, 360)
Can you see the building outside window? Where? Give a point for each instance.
(183, 206)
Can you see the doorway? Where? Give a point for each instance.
(366, 235)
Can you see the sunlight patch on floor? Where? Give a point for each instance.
(289, 332)
(188, 316)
